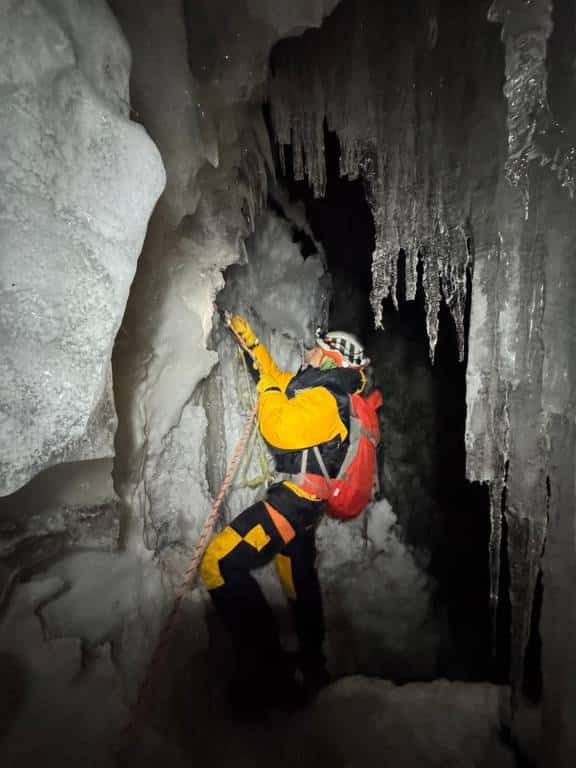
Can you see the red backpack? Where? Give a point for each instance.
(348, 493)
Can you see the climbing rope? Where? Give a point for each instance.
(248, 400)
(187, 578)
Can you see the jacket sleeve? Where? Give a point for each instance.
(309, 418)
(268, 368)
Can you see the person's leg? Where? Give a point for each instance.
(296, 567)
(249, 542)
(263, 675)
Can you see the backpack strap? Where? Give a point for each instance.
(321, 464)
(315, 484)
(304, 464)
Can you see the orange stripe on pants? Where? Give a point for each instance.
(283, 527)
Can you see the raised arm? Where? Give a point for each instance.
(263, 359)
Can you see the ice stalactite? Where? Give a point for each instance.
(525, 31)
(520, 378)
(533, 132)
(494, 554)
(404, 121)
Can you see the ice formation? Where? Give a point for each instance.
(525, 36)
(404, 126)
(79, 181)
(41, 691)
(362, 722)
(512, 450)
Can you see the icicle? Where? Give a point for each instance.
(396, 107)
(264, 149)
(252, 177)
(431, 285)
(453, 288)
(298, 151)
(384, 270)
(495, 554)
(411, 272)
(281, 150)
(525, 32)
(379, 289)
(525, 541)
(350, 158)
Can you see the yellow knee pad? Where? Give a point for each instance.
(220, 546)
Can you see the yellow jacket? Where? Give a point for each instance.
(309, 418)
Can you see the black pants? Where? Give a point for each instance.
(280, 528)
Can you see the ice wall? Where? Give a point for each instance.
(505, 425)
(521, 376)
(78, 183)
(358, 720)
(407, 124)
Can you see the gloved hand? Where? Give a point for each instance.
(242, 329)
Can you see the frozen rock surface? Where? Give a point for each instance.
(365, 722)
(47, 682)
(377, 599)
(368, 722)
(78, 183)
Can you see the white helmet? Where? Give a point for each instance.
(342, 347)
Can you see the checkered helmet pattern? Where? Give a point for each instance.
(346, 345)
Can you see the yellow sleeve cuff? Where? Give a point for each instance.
(267, 383)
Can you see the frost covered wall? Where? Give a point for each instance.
(78, 183)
